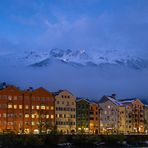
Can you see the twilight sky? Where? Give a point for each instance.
(75, 24)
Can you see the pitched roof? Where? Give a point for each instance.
(80, 99)
(60, 91)
(106, 98)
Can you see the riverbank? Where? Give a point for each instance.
(75, 141)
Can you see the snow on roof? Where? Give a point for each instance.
(116, 102)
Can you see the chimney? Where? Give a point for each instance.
(30, 89)
(4, 85)
(114, 96)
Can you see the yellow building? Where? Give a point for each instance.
(122, 119)
(134, 115)
(146, 118)
(65, 111)
(94, 118)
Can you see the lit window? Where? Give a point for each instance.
(26, 107)
(32, 106)
(33, 116)
(47, 116)
(4, 115)
(43, 107)
(15, 106)
(9, 105)
(20, 106)
(52, 108)
(108, 106)
(26, 115)
(37, 107)
(52, 116)
(33, 123)
(47, 107)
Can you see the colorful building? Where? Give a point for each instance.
(94, 114)
(83, 118)
(134, 115)
(109, 115)
(65, 111)
(24, 111)
(146, 118)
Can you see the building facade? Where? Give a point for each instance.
(20, 110)
(146, 118)
(82, 114)
(134, 115)
(94, 113)
(65, 111)
(109, 113)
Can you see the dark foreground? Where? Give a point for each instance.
(73, 141)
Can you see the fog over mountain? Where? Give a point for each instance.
(88, 74)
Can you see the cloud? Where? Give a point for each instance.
(85, 24)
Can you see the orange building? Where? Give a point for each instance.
(94, 113)
(30, 111)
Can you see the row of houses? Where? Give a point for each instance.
(38, 110)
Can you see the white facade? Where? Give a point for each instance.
(65, 112)
(108, 116)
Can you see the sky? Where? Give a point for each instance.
(74, 24)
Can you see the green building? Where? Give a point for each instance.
(82, 115)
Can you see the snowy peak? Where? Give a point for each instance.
(78, 56)
(74, 57)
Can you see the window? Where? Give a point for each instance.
(4, 115)
(26, 115)
(47, 116)
(52, 108)
(15, 97)
(33, 123)
(108, 106)
(52, 116)
(32, 106)
(9, 97)
(37, 107)
(43, 107)
(20, 106)
(15, 106)
(33, 116)
(9, 105)
(47, 107)
(26, 107)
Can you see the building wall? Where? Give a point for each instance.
(146, 119)
(94, 118)
(135, 117)
(108, 117)
(82, 114)
(122, 119)
(17, 109)
(65, 111)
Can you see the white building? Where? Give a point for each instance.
(65, 111)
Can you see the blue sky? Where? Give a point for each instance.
(75, 24)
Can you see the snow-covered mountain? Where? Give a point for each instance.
(74, 58)
(85, 73)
